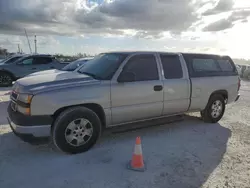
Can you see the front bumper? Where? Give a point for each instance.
(29, 127)
(35, 131)
(237, 98)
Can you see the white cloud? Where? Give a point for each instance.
(236, 41)
(75, 17)
(227, 21)
(191, 24)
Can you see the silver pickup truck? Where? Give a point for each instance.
(118, 88)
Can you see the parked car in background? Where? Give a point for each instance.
(69, 67)
(242, 70)
(11, 59)
(119, 88)
(238, 67)
(25, 65)
(246, 73)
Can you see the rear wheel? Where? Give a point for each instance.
(76, 130)
(5, 79)
(214, 110)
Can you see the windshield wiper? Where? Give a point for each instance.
(90, 74)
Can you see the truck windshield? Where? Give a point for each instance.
(103, 66)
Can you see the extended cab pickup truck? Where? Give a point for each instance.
(119, 88)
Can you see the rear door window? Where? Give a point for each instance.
(171, 66)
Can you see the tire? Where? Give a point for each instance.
(5, 79)
(214, 110)
(63, 130)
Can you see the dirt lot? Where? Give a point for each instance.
(182, 155)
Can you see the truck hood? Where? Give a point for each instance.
(55, 81)
(52, 71)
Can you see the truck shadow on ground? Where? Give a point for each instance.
(180, 154)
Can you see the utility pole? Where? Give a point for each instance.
(35, 45)
(18, 47)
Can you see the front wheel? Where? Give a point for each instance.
(214, 110)
(5, 79)
(76, 130)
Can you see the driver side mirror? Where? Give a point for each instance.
(126, 77)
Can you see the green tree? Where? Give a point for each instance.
(3, 51)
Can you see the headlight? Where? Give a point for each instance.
(25, 98)
(23, 101)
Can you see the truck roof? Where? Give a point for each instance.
(205, 54)
(176, 53)
(131, 52)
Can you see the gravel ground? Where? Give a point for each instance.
(183, 155)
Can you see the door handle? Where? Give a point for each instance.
(158, 88)
(52, 67)
(33, 68)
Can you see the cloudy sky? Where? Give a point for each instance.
(93, 26)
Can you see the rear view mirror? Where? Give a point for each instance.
(126, 77)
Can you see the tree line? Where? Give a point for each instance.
(69, 58)
(4, 53)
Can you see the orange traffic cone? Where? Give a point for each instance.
(137, 162)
